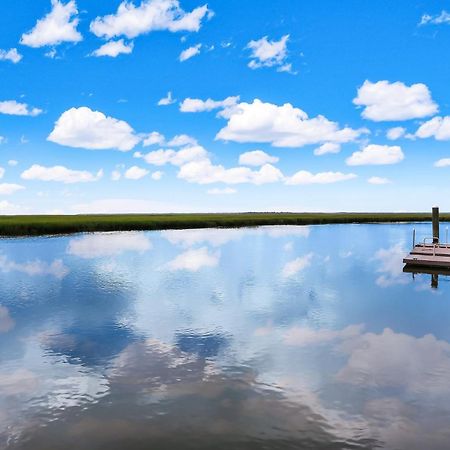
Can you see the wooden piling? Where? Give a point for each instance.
(435, 218)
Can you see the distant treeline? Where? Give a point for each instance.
(46, 224)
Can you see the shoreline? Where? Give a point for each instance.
(41, 225)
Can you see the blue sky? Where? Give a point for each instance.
(280, 105)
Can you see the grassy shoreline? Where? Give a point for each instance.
(47, 225)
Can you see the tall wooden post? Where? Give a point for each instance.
(435, 218)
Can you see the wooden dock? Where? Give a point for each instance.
(429, 255)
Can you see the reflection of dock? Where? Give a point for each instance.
(430, 257)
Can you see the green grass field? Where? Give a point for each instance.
(44, 225)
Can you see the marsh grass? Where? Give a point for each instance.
(64, 224)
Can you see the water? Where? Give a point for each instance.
(263, 338)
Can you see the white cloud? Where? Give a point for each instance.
(292, 268)
(153, 138)
(136, 173)
(9, 188)
(59, 173)
(194, 260)
(180, 140)
(257, 158)
(6, 321)
(168, 100)
(376, 155)
(265, 53)
(11, 107)
(2, 172)
(305, 177)
(385, 101)
(157, 175)
(116, 175)
(444, 162)
(12, 163)
(10, 55)
(204, 172)
(378, 180)
(114, 48)
(219, 237)
(34, 268)
(395, 133)
(437, 127)
(328, 147)
(150, 15)
(9, 208)
(59, 25)
(223, 191)
(177, 158)
(396, 360)
(108, 244)
(190, 52)
(305, 336)
(197, 105)
(438, 19)
(282, 126)
(84, 128)
(391, 266)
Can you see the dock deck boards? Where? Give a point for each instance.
(429, 256)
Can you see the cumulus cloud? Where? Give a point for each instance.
(13, 108)
(168, 100)
(190, 52)
(58, 26)
(328, 147)
(385, 101)
(197, 105)
(266, 53)
(34, 268)
(205, 172)
(305, 177)
(444, 162)
(282, 126)
(108, 244)
(116, 175)
(378, 180)
(390, 262)
(194, 260)
(84, 128)
(304, 336)
(257, 158)
(181, 140)
(395, 133)
(177, 158)
(437, 127)
(59, 173)
(438, 19)
(157, 175)
(10, 188)
(2, 172)
(136, 173)
(376, 155)
(221, 191)
(150, 15)
(10, 55)
(114, 48)
(6, 321)
(292, 268)
(153, 138)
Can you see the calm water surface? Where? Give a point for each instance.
(254, 338)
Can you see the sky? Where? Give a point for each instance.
(187, 106)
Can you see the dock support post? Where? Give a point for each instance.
(435, 218)
(414, 238)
